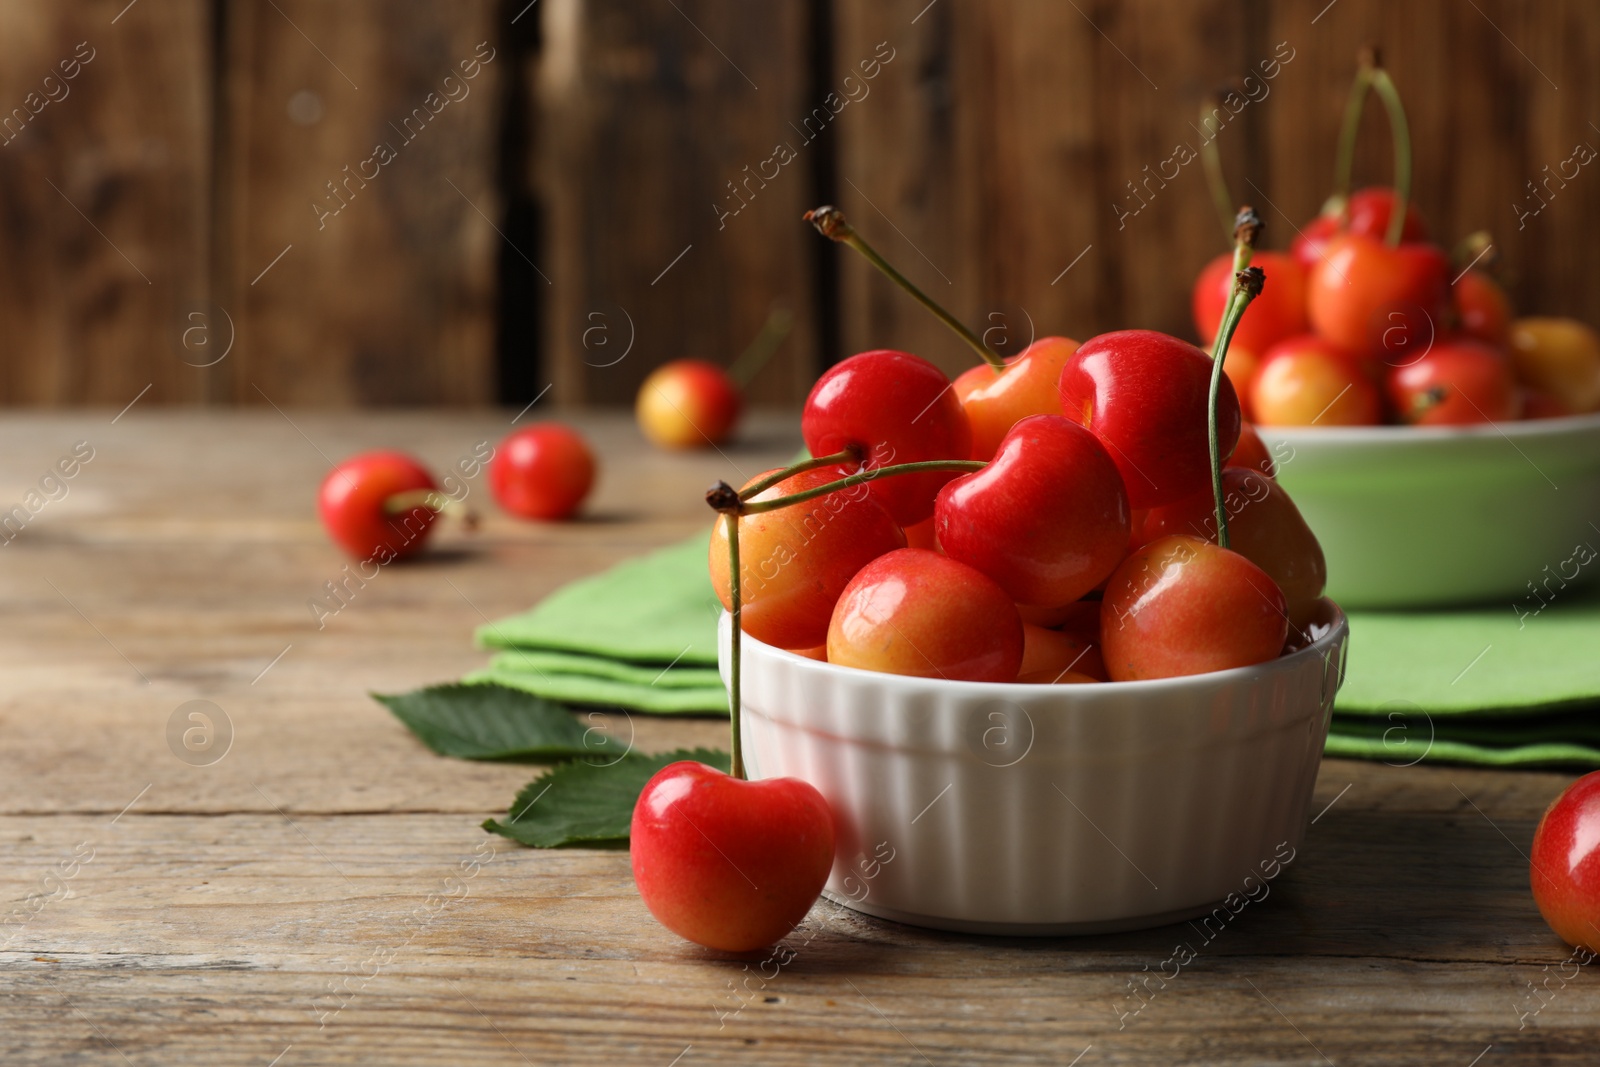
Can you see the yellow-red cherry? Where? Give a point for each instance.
(795, 561)
(688, 403)
(1181, 606)
(918, 613)
(995, 400)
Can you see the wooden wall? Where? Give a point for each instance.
(621, 183)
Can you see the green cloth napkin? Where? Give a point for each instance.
(1487, 686)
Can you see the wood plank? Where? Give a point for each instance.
(105, 166)
(648, 119)
(359, 150)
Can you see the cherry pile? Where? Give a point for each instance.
(380, 506)
(1365, 320)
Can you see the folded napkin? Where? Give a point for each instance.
(1485, 686)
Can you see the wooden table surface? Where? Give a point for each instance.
(280, 904)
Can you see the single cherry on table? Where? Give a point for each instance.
(1564, 866)
(375, 505)
(727, 863)
(688, 403)
(542, 472)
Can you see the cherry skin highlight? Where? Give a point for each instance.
(1181, 606)
(1368, 213)
(795, 561)
(1264, 527)
(542, 472)
(1565, 864)
(1376, 301)
(1047, 519)
(1145, 395)
(996, 401)
(918, 613)
(895, 408)
(1279, 312)
(729, 864)
(1457, 383)
(351, 504)
(1306, 381)
(688, 403)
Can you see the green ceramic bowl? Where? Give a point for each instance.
(1415, 517)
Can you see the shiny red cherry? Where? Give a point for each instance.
(1457, 383)
(895, 408)
(688, 403)
(730, 864)
(1565, 864)
(358, 509)
(995, 401)
(1145, 395)
(1368, 214)
(542, 472)
(916, 612)
(1279, 312)
(1048, 517)
(1376, 301)
(1181, 605)
(795, 561)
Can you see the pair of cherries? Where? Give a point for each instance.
(382, 505)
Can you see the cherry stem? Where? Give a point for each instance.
(757, 507)
(1384, 87)
(1345, 161)
(779, 322)
(1211, 159)
(830, 222)
(730, 519)
(1247, 285)
(848, 455)
(1476, 249)
(405, 502)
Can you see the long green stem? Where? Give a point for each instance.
(1246, 287)
(830, 222)
(756, 507)
(1345, 161)
(1211, 159)
(848, 455)
(736, 765)
(1384, 87)
(779, 322)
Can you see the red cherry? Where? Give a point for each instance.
(688, 403)
(1145, 394)
(1307, 381)
(1047, 519)
(542, 472)
(916, 612)
(1181, 605)
(352, 503)
(1373, 300)
(895, 408)
(1483, 310)
(1264, 527)
(795, 561)
(1565, 868)
(1279, 312)
(995, 401)
(1369, 211)
(729, 864)
(1538, 404)
(1457, 383)
(1251, 453)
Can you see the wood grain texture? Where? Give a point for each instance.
(674, 169)
(105, 171)
(356, 147)
(323, 893)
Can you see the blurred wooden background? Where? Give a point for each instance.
(565, 218)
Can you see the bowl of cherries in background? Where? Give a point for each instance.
(1444, 450)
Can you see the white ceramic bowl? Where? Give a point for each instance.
(1032, 809)
(1413, 517)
